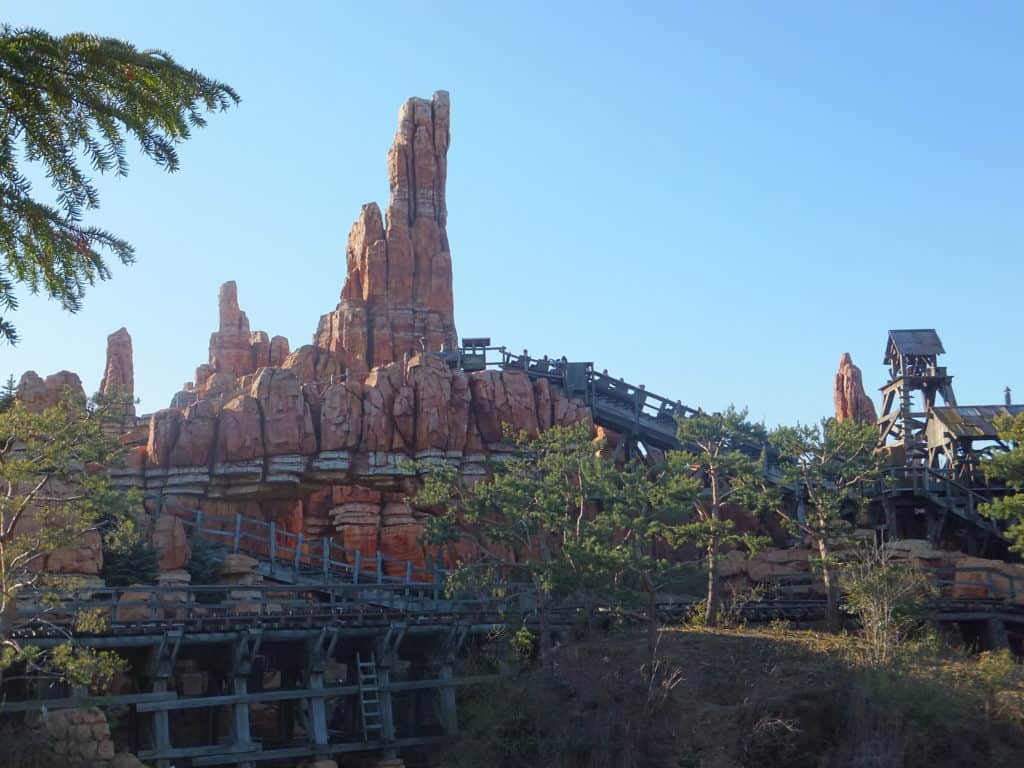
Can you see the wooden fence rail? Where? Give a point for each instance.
(306, 556)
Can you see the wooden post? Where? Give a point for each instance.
(161, 724)
(449, 714)
(357, 566)
(298, 552)
(318, 710)
(387, 717)
(273, 542)
(241, 668)
(326, 555)
(199, 522)
(380, 567)
(408, 577)
(238, 532)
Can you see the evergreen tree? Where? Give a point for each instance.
(827, 466)
(8, 394)
(529, 522)
(73, 97)
(54, 489)
(719, 451)
(1009, 467)
(644, 514)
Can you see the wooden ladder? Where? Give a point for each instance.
(369, 696)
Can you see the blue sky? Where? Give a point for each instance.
(713, 199)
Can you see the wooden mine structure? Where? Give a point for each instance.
(331, 655)
(934, 482)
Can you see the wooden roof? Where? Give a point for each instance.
(919, 341)
(974, 421)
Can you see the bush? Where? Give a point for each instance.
(203, 567)
(135, 562)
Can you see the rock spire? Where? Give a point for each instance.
(851, 401)
(397, 297)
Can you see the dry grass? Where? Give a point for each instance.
(745, 697)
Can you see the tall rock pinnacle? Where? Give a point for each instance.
(851, 401)
(397, 295)
(119, 372)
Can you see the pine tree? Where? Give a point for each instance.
(71, 97)
(53, 492)
(8, 394)
(719, 452)
(1009, 468)
(828, 466)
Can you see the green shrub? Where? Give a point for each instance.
(133, 562)
(204, 565)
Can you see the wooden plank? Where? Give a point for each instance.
(89, 701)
(180, 703)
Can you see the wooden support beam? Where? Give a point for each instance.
(449, 713)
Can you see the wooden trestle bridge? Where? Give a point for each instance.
(345, 653)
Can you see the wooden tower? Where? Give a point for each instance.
(915, 381)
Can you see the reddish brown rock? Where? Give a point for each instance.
(287, 421)
(313, 364)
(230, 348)
(63, 384)
(84, 556)
(431, 382)
(278, 351)
(239, 431)
(196, 430)
(164, 427)
(170, 541)
(542, 399)
(382, 385)
(397, 296)
(503, 400)
(119, 373)
(341, 417)
(851, 401)
(459, 407)
(31, 392)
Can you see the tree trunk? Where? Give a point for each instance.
(831, 587)
(712, 609)
(545, 631)
(652, 618)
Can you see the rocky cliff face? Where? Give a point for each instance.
(851, 401)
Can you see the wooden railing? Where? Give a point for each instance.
(315, 557)
(161, 607)
(950, 584)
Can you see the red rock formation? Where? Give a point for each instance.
(236, 351)
(851, 401)
(240, 431)
(196, 430)
(31, 391)
(284, 413)
(341, 417)
(171, 543)
(263, 426)
(119, 373)
(398, 289)
(38, 395)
